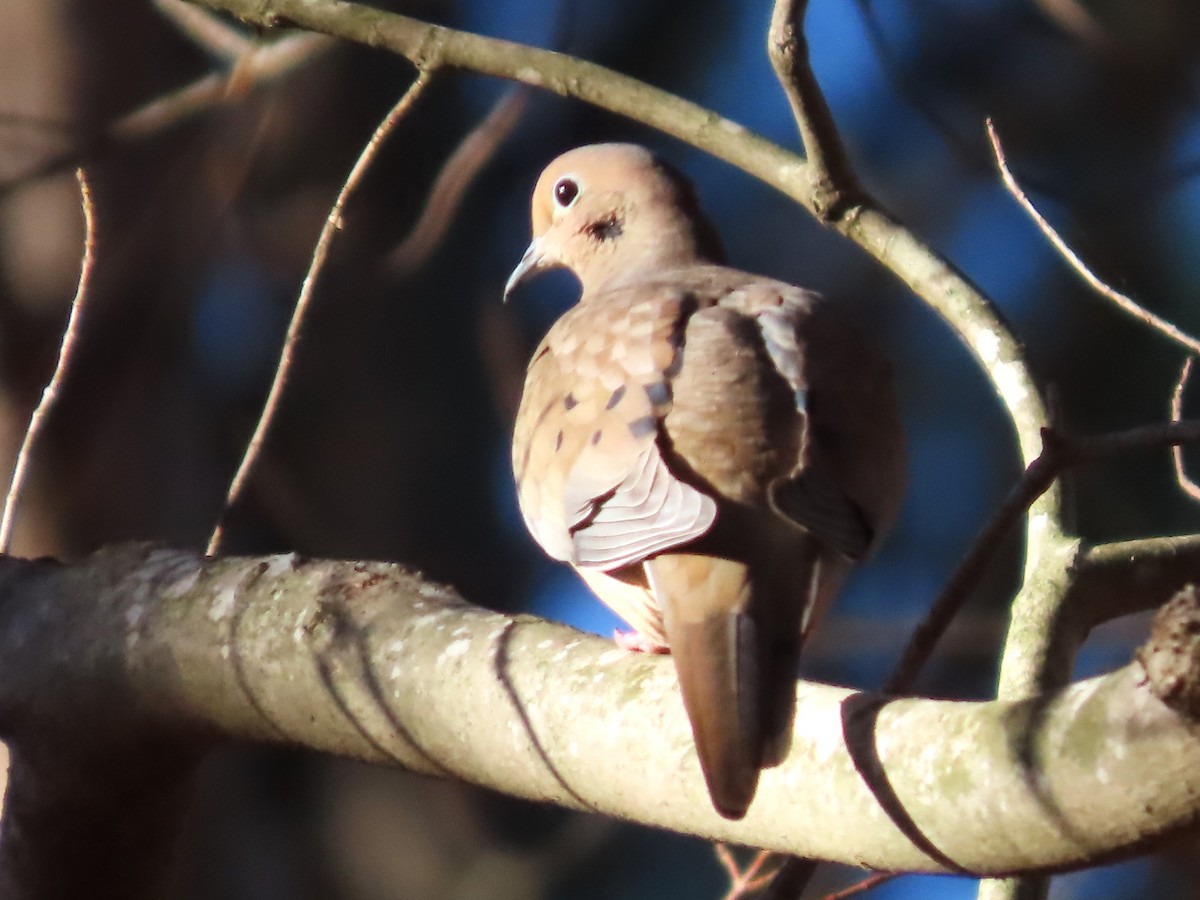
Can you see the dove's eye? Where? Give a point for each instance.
(566, 191)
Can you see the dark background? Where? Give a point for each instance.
(392, 442)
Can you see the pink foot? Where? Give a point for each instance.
(636, 642)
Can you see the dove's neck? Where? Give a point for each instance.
(644, 253)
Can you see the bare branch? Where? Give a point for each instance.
(455, 177)
(1190, 487)
(169, 649)
(41, 412)
(745, 882)
(1121, 301)
(333, 224)
(265, 63)
(435, 46)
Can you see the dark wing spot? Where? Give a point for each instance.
(644, 426)
(596, 437)
(658, 393)
(570, 402)
(558, 442)
(686, 309)
(615, 397)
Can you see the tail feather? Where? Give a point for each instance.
(735, 638)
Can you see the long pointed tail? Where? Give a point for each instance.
(735, 638)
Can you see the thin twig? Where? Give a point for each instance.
(861, 887)
(744, 882)
(333, 223)
(1078, 21)
(41, 412)
(264, 63)
(1190, 487)
(206, 31)
(453, 180)
(1124, 302)
(1058, 454)
(730, 864)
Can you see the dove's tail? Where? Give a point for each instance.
(735, 636)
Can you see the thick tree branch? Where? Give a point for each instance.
(137, 647)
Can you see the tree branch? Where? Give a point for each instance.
(430, 46)
(1123, 302)
(41, 413)
(333, 223)
(1185, 482)
(138, 647)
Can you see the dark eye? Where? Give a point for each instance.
(565, 192)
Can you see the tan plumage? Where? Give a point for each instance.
(709, 449)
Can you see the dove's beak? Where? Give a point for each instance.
(531, 263)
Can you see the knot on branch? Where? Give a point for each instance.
(1171, 656)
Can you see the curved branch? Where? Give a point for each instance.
(66, 350)
(1123, 302)
(1113, 580)
(283, 369)
(166, 648)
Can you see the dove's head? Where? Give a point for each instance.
(611, 211)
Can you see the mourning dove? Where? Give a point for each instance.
(709, 449)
